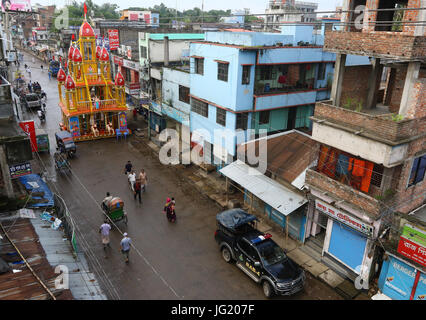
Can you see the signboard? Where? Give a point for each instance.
(399, 280)
(420, 293)
(74, 126)
(29, 129)
(344, 218)
(133, 88)
(20, 170)
(114, 40)
(122, 121)
(412, 250)
(131, 64)
(117, 60)
(412, 244)
(129, 52)
(16, 5)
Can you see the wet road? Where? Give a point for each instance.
(169, 261)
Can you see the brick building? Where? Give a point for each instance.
(372, 156)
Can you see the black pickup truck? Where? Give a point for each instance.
(257, 254)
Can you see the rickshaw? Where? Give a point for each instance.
(115, 210)
(65, 143)
(61, 163)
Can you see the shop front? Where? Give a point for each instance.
(341, 237)
(401, 280)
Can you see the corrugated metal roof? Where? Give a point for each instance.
(266, 189)
(289, 153)
(23, 285)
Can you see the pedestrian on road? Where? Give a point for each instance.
(128, 167)
(104, 231)
(30, 87)
(29, 72)
(26, 67)
(144, 179)
(125, 246)
(132, 179)
(50, 75)
(41, 67)
(137, 190)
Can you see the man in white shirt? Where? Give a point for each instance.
(132, 179)
(104, 231)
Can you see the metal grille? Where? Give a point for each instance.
(222, 71)
(200, 107)
(221, 116)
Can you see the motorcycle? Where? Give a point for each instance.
(41, 115)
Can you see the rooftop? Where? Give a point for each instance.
(177, 36)
(289, 153)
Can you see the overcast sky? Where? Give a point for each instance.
(256, 6)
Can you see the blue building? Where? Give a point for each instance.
(253, 80)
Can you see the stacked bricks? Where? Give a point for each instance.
(382, 127)
(394, 45)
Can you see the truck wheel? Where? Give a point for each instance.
(226, 254)
(267, 289)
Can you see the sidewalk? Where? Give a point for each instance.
(212, 185)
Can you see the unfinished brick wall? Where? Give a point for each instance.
(417, 103)
(355, 83)
(411, 15)
(409, 198)
(380, 127)
(393, 45)
(396, 88)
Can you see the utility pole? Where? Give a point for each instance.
(202, 12)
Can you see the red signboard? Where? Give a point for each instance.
(117, 60)
(114, 40)
(29, 129)
(412, 250)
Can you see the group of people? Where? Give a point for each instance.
(137, 183)
(34, 87)
(125, 243)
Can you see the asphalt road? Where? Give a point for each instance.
(169, 261)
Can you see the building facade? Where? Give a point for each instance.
(372, 158)
(243, 81)
(283, 11)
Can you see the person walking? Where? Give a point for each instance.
(104, 231)
(125, 244)
(30, 87)
(132, 179)
(29, 72)
(137, 190)
(41, 67)
(143, 178)
(128, 167)
(49, 73)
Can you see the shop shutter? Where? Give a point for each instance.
(347, 245)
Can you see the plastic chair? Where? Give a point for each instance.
(118, 133)
(125, 134)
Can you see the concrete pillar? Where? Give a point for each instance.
(374, 83)
(166, 51)
(339, 72)
(5, 173)
(412, 75)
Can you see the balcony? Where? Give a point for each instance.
(380, 138)
(379, 44)
(340, 191)
(373, 124)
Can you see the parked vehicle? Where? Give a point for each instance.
(42, 140)
(32, 100)
(61, 163)
(256, 254)
(65, 143)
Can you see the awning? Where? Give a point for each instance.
(269, 191)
